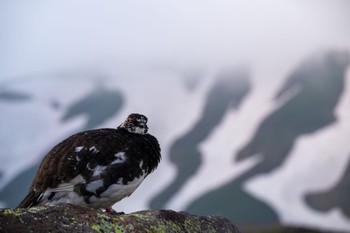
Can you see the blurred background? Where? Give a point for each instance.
(250, 100)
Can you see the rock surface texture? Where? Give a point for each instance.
(71, 218)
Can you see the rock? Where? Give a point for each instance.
(72, 218)
(282, 229)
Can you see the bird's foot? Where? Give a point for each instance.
(110, 210)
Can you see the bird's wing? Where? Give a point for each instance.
(58, 172)
(68, 186)
(69, 163)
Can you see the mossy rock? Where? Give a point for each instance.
(72, 218)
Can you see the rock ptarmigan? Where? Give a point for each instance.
(96, 168)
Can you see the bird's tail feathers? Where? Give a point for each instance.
(32, 199)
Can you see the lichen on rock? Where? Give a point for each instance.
(72, 218)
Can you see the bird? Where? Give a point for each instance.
(96, 168)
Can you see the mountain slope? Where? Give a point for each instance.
(227, 92)
(310, 108)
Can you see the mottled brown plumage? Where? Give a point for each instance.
(96, 168)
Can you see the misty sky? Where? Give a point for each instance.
(41, 36)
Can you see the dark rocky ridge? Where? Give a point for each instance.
(335, 197)
(72, 218)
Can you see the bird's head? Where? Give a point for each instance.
(135, 123)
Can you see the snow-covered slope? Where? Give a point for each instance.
(316, 163)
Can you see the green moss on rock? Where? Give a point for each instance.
(71, 218)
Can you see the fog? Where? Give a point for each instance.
(39, 36)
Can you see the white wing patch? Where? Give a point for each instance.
(119, 158)
(116, 192)
(93, 149)
(98, 169)
(94, 185)
(63, 197)
(68, 187)
(78, 148)
(64, 193)
(88, 167)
